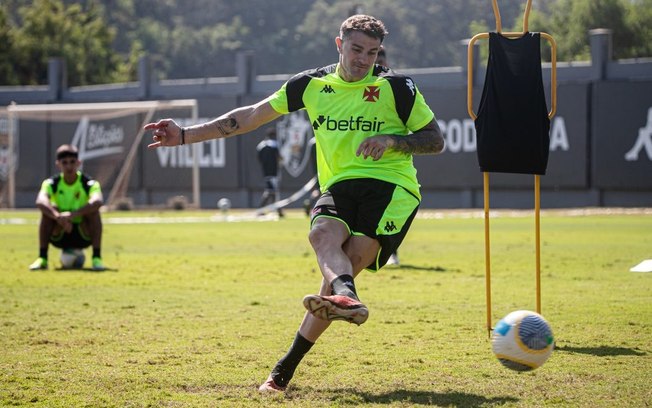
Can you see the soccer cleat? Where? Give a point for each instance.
(393, 259)
(270, 386)
(98, 265)
(336, 307)
(39, 264)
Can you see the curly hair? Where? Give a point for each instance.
(363, 23)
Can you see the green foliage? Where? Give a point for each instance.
(640, 18)
(6, 67)
(50, 29)
(570, 21)
(196, 314)
(101, 40)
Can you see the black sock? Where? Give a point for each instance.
(343, 285)
(43, 252)
(284, 369)
(97, 253)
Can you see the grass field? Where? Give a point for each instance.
(195, 313)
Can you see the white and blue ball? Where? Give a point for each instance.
(72, 258)
(224, 204)
(522, 340)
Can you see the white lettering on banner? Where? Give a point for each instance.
(644, 141)
(461, 135)
(211, 154)
(95, 140)
(558, 135)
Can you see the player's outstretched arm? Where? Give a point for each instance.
(427, 140)
(167, 132)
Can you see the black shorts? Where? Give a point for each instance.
(370, 207)
(75, 239)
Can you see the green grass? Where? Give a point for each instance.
(196, 315)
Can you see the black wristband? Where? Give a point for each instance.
(183, 136)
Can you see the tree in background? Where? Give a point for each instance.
(102, 40)
(50, 29)
(569, 21)
(640, 19)
(7, 74)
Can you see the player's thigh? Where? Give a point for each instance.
(89, 223)
(327, 231)
(74, 239)
(361, 251)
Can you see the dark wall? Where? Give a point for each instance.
(600, 150)
(594, 137)
(622, 135)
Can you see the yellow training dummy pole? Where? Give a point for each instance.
(537, 180)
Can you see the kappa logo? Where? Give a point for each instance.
(389, 227)
(327, 89)
(371, 94)
(643, 142)
(410, 85)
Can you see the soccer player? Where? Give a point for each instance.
(269, 157)
(381, 59)
(368, 123)
(70, 210)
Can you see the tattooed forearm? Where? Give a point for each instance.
(226, 126)
(427, 140)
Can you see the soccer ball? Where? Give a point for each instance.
(522, 340)
(72, 258)
(224, 204)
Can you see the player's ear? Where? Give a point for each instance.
(338, 42)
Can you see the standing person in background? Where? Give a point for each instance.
(368, 123)
(70, 210)
(381, 59)
(315, 192)
(269, 158)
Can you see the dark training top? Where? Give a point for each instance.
(268, 156)
(512, 124)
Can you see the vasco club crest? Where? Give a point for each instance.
(294, 133)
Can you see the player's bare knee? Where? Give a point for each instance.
(48, 222)
(319, 237)
(92, 221)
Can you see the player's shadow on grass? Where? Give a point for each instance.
(445, 399)
(84, 270)
(602, 351)
(421, 268)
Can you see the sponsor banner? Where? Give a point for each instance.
(218, 159)
(457, 166)
(621, 157)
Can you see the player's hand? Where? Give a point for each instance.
(166, 132)
(375, 146)
(65, 220)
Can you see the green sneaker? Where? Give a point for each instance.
(98, 265)
(39, 264)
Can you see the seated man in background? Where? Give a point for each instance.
(70, 210)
